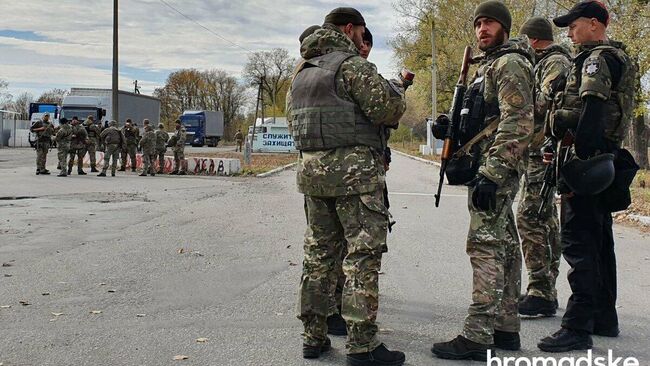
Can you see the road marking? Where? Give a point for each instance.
(424, 194)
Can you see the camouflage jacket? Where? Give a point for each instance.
(357, 169)
(79, 137)
(63, 136)
(131, 135)
(45, 135)
(551, 71)
(93, 131)
(181, 136)
(112, 136)
(148, 142)
(161, 140)
(508, 73)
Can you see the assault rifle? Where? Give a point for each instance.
(550, 159)
(555, 160)
(451, 142)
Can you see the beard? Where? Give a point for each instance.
(499, 39)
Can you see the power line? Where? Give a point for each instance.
(204, 27)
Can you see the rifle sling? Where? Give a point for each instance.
(486, 132)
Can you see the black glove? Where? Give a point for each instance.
(484, 196)
(439, 127)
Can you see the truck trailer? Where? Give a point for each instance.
(82, 102)
(203, 127)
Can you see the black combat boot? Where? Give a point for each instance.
(45, 172)
(122, 169)
(152, 174)
(461, 348)
(182, 172)
(336, 325)
(535, 305)
(143, 174)
(565, 340)
(175, 172)
(93, 169)
(508, 341)
(611, 332)
(112, 173)
(133, 170)
(38, 171)
(159, 171)
(81, 172)
(380, 356)
(102, 174)
(315, 351)
(62, 174)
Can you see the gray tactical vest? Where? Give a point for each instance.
(321, 120)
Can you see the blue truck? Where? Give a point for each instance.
(203, 127)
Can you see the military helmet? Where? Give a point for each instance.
(113, 123)
(161, 125)
(591, 176)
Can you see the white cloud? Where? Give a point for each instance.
(155, 40)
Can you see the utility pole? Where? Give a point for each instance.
(115, 106)
(257, 107)
(434, 71)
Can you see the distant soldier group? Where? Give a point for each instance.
(74, 140)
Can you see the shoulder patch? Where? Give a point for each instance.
(592, 66)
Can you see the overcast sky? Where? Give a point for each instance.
(68, 43)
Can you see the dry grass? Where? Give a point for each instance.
(640, 202)
(260, 163)
(412, 148)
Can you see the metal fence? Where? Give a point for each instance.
(13, 132)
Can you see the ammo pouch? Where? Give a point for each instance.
(617, 196)
(463, 168)
(463, 165)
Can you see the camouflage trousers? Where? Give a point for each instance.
(63, 149)
(540, 240)
(129, 150)
(360, 222)
(147, 162)
(80, 153)
(493, 249)
(161, 159)
(92, 148)
(42, 148)
(112, 151)
(178, 157)
(337, 284)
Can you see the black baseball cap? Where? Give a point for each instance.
(587, 9)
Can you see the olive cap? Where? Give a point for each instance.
(495, 10)
(538, 28)
(343, 16)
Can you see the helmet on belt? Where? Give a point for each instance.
(591, 176)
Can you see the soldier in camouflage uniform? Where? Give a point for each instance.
(179, 149)
(336, 107)
(335, 322)
(596, 107)
(148, 145)
(540, 241)
(78, 146)
(500, 101)
(161, 147)
(44, 131)
(93, 132)
(63, 138)
(131, 134)
(113, 140)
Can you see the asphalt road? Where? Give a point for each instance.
(163, 261)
